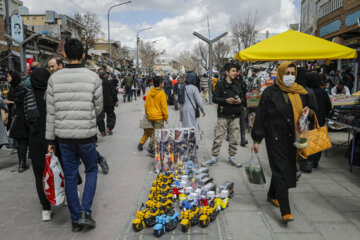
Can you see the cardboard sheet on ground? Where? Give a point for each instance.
(293, 45)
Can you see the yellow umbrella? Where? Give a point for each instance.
(293, 45)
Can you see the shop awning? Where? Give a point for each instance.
(293, 45)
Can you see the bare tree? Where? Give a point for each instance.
(244, 31)
(149, 55)
(188, 60)
(201, 52)
(91, 28)
(221, 50)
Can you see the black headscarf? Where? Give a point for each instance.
(190, 79)
(16, 79)
(313, 80)
(39, 78)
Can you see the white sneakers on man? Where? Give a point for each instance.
(46, 215)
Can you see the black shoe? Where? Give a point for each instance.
(86, 220)
(75, 227)
(244, 142)
(23, 167)
(104, 165)
(140, 147)
(315, 164)
(306, 170)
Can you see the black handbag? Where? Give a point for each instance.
(197, 110)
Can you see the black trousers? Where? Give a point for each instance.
(279, 190)
(243, 121)
(37, 152)
(110, 118)
(22, 149)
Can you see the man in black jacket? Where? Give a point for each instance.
(229, 95)
(110, 101)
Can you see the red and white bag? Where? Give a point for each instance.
(53, 180)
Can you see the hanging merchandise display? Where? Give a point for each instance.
(181, 194)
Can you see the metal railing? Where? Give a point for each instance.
(329, 7)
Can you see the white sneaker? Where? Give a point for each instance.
(46, 215)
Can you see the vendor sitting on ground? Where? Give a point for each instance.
(340, 89)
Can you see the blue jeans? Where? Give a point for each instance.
(71, 155)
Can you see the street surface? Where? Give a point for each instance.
(326, 203)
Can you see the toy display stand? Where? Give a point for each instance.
(181, 194)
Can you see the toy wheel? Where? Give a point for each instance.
(204, 223)
(137, 227)
(212, 217)
(158, 233)
(171, 225)
(150, 222)
(185, 228)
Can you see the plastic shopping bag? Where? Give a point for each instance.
(254, 170)
(53, 180)
(302, 133)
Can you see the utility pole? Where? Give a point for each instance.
(22, 50)
(108, 18)
(7, 23)
(210, 43)
(137, 48)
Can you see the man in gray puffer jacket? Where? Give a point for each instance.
(74, 99)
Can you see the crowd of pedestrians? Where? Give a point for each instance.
(61, 109)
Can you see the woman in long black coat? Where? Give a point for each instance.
(37, 145)
(19, 129)
(280, 107)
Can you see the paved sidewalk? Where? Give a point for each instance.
(326, 203)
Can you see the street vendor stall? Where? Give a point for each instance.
(293, 45)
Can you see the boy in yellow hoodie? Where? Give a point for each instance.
(156, 107)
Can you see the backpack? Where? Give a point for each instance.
(181, 93)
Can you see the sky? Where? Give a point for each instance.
(172, 22)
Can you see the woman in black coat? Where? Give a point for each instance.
(19, 129)
(37, 145)
(313, 81)
(280, 107)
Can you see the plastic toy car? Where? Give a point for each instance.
(228, 186)
(223, 203)
(205, 216)
(139, 223)
(166, 223)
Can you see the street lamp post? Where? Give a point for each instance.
(108, 18)
(210, 43)
(137, 48)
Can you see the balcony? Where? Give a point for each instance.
(329, 7)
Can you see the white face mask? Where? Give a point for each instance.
(289, 80)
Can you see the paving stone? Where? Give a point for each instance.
(248, 225)
(336, 231)
(354, 217)
(315, 207)
(332, 190)
(350, 204)
(273, 216)
(298, 236)
(302, 187)
(241, 202)
(352, 187)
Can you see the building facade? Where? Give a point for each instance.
(13, 6)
